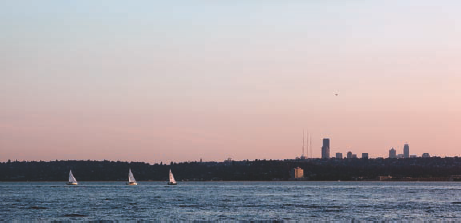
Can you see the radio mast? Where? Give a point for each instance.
(302, 157)
(307, 143)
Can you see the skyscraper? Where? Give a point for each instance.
(349, 155)
(406, 151)
(339, 155)
(392, 153)
(326, 148)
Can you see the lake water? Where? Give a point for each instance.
(229, 201)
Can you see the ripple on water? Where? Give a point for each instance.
(227, 201)
(37, 208)
(75, 215)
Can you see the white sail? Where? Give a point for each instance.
(131, 177)
(72, 178)
(172, 178)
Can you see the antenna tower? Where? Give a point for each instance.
(303, 146)
(307, 143)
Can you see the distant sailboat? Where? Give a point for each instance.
(72, 180)
(131, 180)
(172, 181)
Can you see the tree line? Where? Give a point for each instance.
(256, 170)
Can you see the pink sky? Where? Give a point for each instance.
(240, 80)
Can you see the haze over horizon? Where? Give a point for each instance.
(179, 81)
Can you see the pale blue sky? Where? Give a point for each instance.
(185, 80)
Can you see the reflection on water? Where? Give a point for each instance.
(216, 201)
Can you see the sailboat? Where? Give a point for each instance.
(72, 180)
(172, 181)
(131, 180)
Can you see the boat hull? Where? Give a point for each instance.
(171, 183)
(71, 183)
(131, 183)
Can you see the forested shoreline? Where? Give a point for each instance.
(257, 170)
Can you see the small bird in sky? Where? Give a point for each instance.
(336, 94)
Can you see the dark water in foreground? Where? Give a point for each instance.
(227, 201)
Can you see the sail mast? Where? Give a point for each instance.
(131, 178)
(72, 178)
(172, 177)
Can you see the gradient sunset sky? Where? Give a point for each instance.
(182, 80)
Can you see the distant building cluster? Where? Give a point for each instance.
(325, 151)
(406, 153)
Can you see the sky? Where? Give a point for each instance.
(162, 81)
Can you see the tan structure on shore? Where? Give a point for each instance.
(297, 173)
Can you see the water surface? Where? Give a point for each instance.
(224, 201)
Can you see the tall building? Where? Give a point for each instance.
(297, 173)
(349, 155)
(406, 151)
(365, 156)
(392, 153)
(326, 149)
(339, 155)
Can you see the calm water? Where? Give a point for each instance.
(227, 201)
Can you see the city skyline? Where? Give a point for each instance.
(327, 154)
(175, 81)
